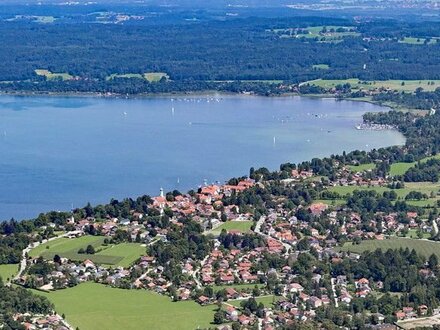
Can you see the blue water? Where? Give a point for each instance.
(60, 151)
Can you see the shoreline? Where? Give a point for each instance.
(194, 94)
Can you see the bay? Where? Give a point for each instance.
(56, 152)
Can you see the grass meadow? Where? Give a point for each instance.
(408, 86)
(424, 247)
(8, 271)
(242, 226)
(123, 254)
(91, 306)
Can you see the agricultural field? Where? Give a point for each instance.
(8, 271)
(129, 252)
(91, 306)
(242, 226)
(53, 76)
(155, 76)
(401, 168)
(424, 247)
(417, 41)
(112, 255)
(407, 86)
(149, 76)
(423, 187)
(331, 34)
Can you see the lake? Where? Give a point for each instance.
(58, 151)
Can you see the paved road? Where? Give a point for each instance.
(257, 230)
(23, 264)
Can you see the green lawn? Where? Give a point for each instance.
(52, 76)
(8, 271)
(242, 226)
(409, 85)
(118, 255)
(91, 306)
(237, 287)
(266, 300)
(362, 167)
(423, 247)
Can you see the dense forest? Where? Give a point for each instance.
(196, 56)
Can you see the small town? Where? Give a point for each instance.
(262, 269)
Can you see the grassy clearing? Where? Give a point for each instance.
(329, 35)
(91, 306)
(113, 255)
(321, 66)
(149, 76)
(155, 76)
(362, 167)
(423, 247)
(127, 75)
(423, 187)
(266, 300)
(129, 252)
(53, 76)
(242, 226)
(8, 271)
(356, 84)
(417, 41)
(401, 168)
(237, 287)
(412, 233)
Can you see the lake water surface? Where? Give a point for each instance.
(60, 151)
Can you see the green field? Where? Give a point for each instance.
(266, 300)
(237, 287)
(315, 32)
(242, 226)
(150, 76)
(114, 255)
(362, 167)
(417, 41)
(8, 271)
(321, 66)
(53, 76)
(127, 75)
(423, 187)
(155, 76)
(401, 168)
(423, 247)
(409, 85)
(91, 306)
(129, 252)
